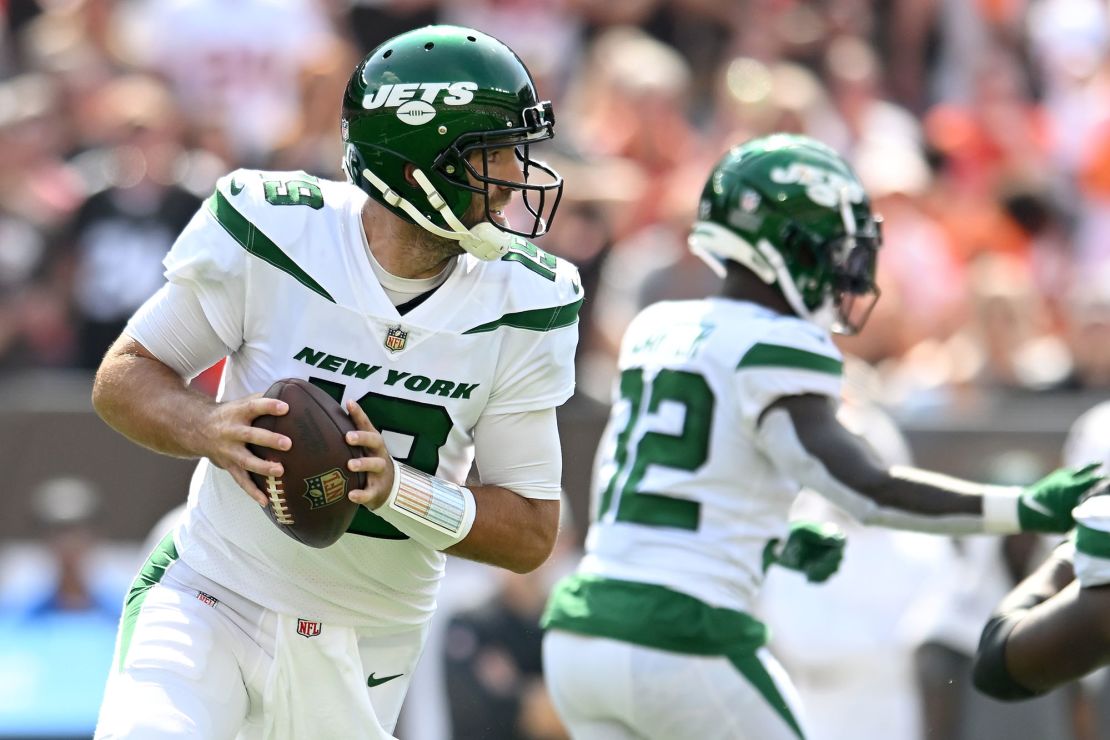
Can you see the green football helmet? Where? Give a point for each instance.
(792, 211)
(433, 98)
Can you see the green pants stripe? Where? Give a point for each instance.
(752, 668)
(152, 572)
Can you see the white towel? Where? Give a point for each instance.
(316, 689)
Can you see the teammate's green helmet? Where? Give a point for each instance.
(793, 212)
(432, 98)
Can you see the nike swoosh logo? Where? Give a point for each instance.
(1038, 507)
(372, 682)
(235, 187)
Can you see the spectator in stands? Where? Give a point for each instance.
(57, 628)
(121, 233)
(1088, 330)
(493, 669)
(65, 510)
(37, 194)
(234, 67)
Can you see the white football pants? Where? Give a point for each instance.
(606, 689)
(203, 663)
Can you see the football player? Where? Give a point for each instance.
(1055, 626)
(409, 295)
(724, 409)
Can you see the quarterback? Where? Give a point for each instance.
(409, 296)
(725, 408)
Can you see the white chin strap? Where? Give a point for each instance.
(485, 241)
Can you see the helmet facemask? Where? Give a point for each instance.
(853, 286)
(540, 200)
(836, 288)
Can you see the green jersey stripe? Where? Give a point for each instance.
(152, 572)
(777, 355)
(1093, 542)
(254, 241)
(538, 319)
(650, 615)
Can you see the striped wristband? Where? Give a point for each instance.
(432, 511)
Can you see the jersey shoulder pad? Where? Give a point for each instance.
(277, 204)
(285, 218)
(789, 343)
(550, 276)
(532, 289)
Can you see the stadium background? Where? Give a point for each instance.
(981, 128)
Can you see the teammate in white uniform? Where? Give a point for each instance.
(725, 409)
(449, 338)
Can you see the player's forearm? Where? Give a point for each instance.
(509, 531)
(488, 523)
(829, 460)
(149, 403)
(911, 498)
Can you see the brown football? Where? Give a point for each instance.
(309, 501)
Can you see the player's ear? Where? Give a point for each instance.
(409, 168)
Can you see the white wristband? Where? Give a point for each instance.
(1000, 510)
(432, 511)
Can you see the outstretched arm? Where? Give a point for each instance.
(805, 439)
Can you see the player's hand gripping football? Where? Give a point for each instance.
(377, 463)
(1046, 505)
(812, 548)
(228, 431)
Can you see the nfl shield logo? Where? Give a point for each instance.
(325, 489)
(307, 628)
(749, 201)
(395, 338)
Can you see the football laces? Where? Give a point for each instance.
(276, 491)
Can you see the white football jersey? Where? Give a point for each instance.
(683, 496)
(280, 264)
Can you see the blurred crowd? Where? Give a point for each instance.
(982, 130)
(980, 127)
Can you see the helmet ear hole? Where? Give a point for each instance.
(796, 244)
